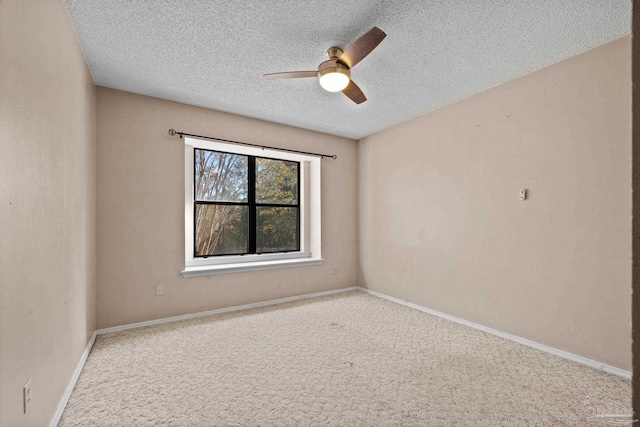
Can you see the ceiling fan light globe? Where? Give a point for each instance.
(334, 81)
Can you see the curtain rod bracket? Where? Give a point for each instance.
(174, 132)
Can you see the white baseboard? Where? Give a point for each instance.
(551, 350)
(72, 383)
(224, 310)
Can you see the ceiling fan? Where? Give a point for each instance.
(335, 74)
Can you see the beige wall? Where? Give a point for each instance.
(635, 275)
(47, 207)
(441, 224)
(141, 211)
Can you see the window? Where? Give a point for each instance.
(245, 204)
(249, 208)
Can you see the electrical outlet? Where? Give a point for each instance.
(26, 396)
(335, 269)
(159, 290)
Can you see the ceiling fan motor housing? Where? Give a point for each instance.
(332, 65)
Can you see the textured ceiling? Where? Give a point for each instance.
(212, 53)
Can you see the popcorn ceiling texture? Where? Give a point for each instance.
(343, 360)
(212, 53)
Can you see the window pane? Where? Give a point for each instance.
(220, 177)
(221, 229)
(276, 181)
(277, 229)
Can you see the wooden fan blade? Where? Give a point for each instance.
(291, 75)
(362, 47)
(354, 93)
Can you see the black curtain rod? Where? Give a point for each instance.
(173, 132)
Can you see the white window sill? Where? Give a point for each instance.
(207, 270)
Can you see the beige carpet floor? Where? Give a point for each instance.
(344, 360)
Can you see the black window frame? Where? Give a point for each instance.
(251, 204)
